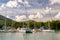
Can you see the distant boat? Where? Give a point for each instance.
(4, 27)
(28, 31)
(48, 30)
(25, 30)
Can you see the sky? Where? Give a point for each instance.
(37, 10)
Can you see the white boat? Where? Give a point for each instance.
(24, 30)
(48, 30)
(39, 30)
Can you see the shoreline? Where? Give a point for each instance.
(21, 31)
(57, 31)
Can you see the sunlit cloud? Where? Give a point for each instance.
(55, 1)
(20, 18)
(2, 5)
(31, 17)
(12, 4)
(38, 15)
(20, 1)
(48, 10)
(57, 16)
(33, 8)
(7, 16)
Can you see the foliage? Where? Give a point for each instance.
(55, 24)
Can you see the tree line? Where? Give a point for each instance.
(55, 24)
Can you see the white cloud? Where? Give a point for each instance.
(0, 8)
(39, 15)
(12, 4)
(26, 3)
(57, 16)
(2, 5)
(55, 1)
(20, 1)
(36, 17)
(31, 17)
(7, 16)
(15, 3)
(20, 18)
(48, 10)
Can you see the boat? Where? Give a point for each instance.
(48, 30)
(28, 31)
(24, 30)
(36, 30)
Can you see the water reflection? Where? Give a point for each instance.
(39, 36)
(31, 36)
(57, 36)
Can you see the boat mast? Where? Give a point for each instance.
(5, 18)
(12, 21)
(5, 15)
(5, 21)
(50, 18)
(34, 22)
(25, 4)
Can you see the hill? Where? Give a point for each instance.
(2, 20)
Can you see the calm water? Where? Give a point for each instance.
(32, 36)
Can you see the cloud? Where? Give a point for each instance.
(7, 16)
(26, 3)
(2, 6)
(20, 1)
(39, 15)
(17, 3)
(55, 1)
(48, 9)
(33, 12)
(31, 3)
(20, 18)
(57, 16)
(12, 4)
(31, 17)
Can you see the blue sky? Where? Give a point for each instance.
(38, 10)
(4, 1)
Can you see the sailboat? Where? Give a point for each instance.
(4, 27)
(49, 30)
(25, 28)
(28, 30)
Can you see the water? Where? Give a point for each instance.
(31, 36)
(58, 36)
